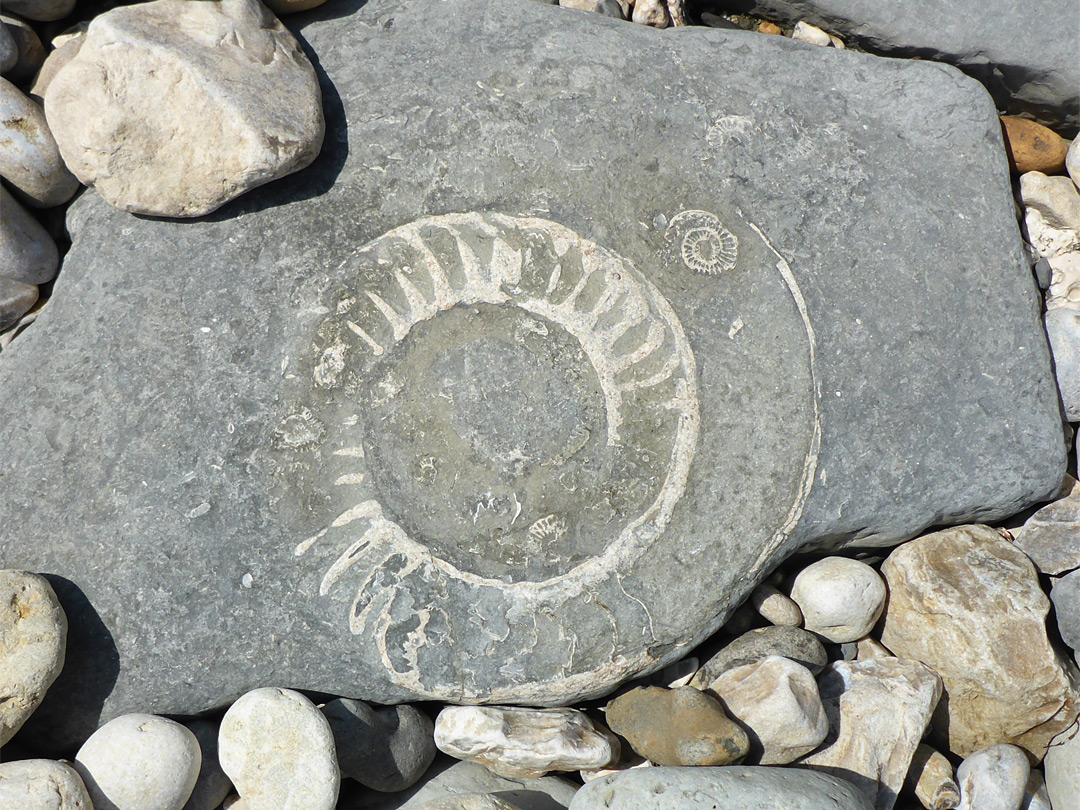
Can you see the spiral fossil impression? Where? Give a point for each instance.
(705, 245)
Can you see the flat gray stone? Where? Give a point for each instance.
(453, 413)
(732, 787)
(1023, 52)
(794, 643)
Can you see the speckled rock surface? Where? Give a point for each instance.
(41, 784)
(323, 509)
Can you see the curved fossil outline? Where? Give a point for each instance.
(705, 245)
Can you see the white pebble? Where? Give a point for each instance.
(805, 32)
(776, 608)
(139, 762)
(41, 784)
(993, 778)
(278, 750)
(841, 598)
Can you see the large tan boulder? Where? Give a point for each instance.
(967, 603)
(174, 108)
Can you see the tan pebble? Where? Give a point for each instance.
(931, 778)
(677, 727)
(766, 27)
(775, 607)
(651, 12)
(1032, 147)
(869, 648)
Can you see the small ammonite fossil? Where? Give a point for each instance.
(703, 243)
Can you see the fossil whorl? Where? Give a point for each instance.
(702, 242)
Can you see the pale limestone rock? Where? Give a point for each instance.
(1051, 213)
(524, 743)
(40, 10)
(1045, 239)
(27, 252)
(675, 727)
(993, 778)
(840, 598)
(41, 784)
(1064, 288)
(968, 603)
(651, 12)
(776, 608)
(29, 159)
(777, 702)
(468, 801)
(31, 53)
(811, 34)
(174, 108)
(878, 711)
(869, 648)
(33, 637)
(278, 750)
(930, 777)
(1062, 769)
(1072, 161)
(139, 762)
(57, 58)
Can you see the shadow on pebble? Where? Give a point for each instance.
(72, 707)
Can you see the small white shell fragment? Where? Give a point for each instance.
(519, 743)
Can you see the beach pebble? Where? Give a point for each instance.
(386, 749)
(1063, 331)
(1056, 198)
(869, 648)
(129, 111)
(789, 642)
(1072, 161)
(841, 598)
(139, 762)
(40, 10)
(680, 726)
(609, 8)
(1065, 595)
(16, 299)
(9, 51)
(27, 252)
(213, 785)
(1032, 147)
(41, 784)
(1036, 796)
(30, 161)
(651, 12)
(968, 603)
(766, 27)
(777, 702)
(468, 801)
(775, 607)
(278, 750)
(57, 58)
(1061, 767)
(930, 778)
(31, 53)
(993, 778)
(811, 34)
(33, 638)
(878, 711)
(524, 743)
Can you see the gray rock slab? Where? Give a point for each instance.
(733, 787)
(1023, 52)
(532, 376)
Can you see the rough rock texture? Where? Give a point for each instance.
(29, 159)
(754, 645)
(465, 778)
(930, 778)
(418, 584)
(278, 750)
(1024, 52)
(968, 604)
(677, 727)
(732, 788)
(777, 702)
(524, 743)
(33, 639)
(840, 598)
(1062, 769)
(993, 778)
(385, 748)
(174, 108)
(139, 762)
(1051, 537)
(41, 784)
(878, 711)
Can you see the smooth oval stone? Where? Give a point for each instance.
(841, 598)
(1032, 147)
(33, 638)
(930, 778)
(469, 801)
(734, 787)
(40, 10)
(41, 784)
(9, 51)
(16, 299)
(524, 743)
(386, 749)
(30, 160)
(213, 785)
(174, 108)
(139, 762)
(993, 778)
(789, 642)
(27, 252)
(278, 750)
(31, 53)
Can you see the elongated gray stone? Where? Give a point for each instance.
(506, 403)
